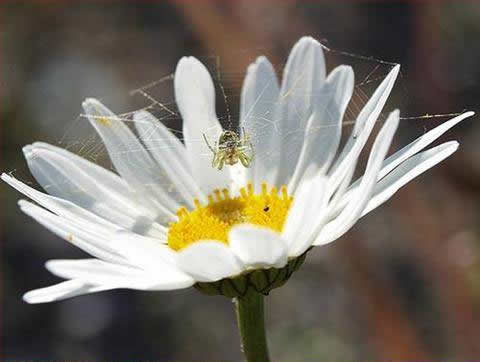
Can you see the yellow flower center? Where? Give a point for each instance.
(214, 221)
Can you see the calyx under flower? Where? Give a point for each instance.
(259, 281)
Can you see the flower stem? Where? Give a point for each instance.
(251, 323)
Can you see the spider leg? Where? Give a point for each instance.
(221, 162)
(208, 144)
(252, 151)
(246, 136)
(215, 160)
(246, 140)
(244, 159)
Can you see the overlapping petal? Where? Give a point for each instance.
(67, 289)
(403, 155)
(131, 160)
(70, 177)
(259, 99)
(361, 131)
(209, 261)
(302, 82)
(324, 127)
(169, 153)
(195, 97)
(113, 217)
(307, 214)
(258, 247)
(90, 237)
(407, 171)
(352, 212)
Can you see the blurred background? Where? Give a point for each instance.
(402, 285)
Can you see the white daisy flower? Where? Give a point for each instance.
(223, 231)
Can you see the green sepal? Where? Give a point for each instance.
(260, 281)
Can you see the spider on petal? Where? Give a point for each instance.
(231, 148)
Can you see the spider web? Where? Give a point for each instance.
(157, 97)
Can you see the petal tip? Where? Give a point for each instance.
(188, 61)
(29, 297)
(261, 64)
(23, 203)
(90, 101)
(256, 64)
(93, 107)
(48, 265)
(34, 297)
(344, 67)
(28, 151)
(261, 59)
(308, 40)
(395, 113)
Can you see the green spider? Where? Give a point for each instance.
(230, 148)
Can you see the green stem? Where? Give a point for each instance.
(251, 323)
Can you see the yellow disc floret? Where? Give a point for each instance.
(214, 220)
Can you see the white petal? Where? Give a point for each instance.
(258, 247)
(407, 171)
(324, 128)
(400, 156)
(306, 214)
(258, 102)
(107, 178)
(159, 140)
(338, 196)
(149, 254)
(117, 247)
(303, 79)
(97, 272)
(56, 205)
(352, 212)
(195, 97)
(417, 145)
(68, 176)
(209, 261)
(362, 129)
(169, 153)
(306, 206)
(80, 216)
(60, 291)
(88, 237)
(92, 271)
(130, 158)
(161, 282)
(420, 143)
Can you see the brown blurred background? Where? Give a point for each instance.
(403, 285)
